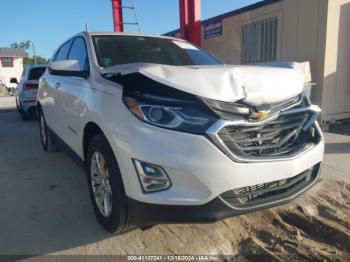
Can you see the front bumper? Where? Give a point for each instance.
(199, 171)
(144, 214)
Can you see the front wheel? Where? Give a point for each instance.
(106, 187)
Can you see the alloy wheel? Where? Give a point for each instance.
(100, 183)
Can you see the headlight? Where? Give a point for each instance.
(186, 118)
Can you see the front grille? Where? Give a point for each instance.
(280, 137)
(251, 196)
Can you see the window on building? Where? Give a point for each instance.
(7, 62)
(259, 41)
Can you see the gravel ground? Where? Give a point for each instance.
(46, 210)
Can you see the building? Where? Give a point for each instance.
(11, 64)
(295, 30)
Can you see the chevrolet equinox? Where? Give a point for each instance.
(169, 134)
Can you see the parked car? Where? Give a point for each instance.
(168, 134)
(27, 88)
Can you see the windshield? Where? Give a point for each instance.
(117, 50)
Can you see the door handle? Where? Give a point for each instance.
(57, 85)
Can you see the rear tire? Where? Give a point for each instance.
(18, 105)
(45, 137)
(24, 115)
(106, 187)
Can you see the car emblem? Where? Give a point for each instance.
(263, 112)
(262, 115)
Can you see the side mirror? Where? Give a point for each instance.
(67, 68)
(13, 80)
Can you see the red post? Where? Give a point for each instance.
(190, 21)
(118, 15)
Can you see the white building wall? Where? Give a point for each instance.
(6, 73)
(336, 75)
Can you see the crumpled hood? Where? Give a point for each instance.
(255, 85)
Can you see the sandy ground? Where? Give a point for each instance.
(45, 209)
(7, 103)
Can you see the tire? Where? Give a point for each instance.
(45, 137)
(17, 105)
(24, 115)
(115, 218)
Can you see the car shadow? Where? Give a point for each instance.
(45, 205)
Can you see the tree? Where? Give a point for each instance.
(25, 45)
(31, 60)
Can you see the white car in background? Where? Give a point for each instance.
(168, 134)
(27, 88)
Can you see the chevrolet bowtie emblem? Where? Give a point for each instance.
(262, 115)
(263, 112)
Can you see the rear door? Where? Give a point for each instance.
(73, 94)
(52, 85)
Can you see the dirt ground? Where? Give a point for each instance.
(46, 210)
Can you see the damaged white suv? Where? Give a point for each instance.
(168, 134)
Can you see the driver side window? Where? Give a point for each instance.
(63, 52)
(78, 52)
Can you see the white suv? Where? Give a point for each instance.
(27, 88)
(168, 134)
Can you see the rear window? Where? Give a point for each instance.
(36, 73)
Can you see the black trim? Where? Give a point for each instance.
(138, 176)
(83, 74)
(59, 142)
(145, 214)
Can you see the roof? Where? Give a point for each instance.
(127, 34)
(233, 13)
(12, 52)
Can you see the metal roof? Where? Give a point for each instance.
(12, 52)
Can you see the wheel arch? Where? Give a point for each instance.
(91, 129)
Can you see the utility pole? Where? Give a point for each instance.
(34, 54)
(117, 6)
(190, 20)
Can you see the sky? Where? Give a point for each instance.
(48, 23)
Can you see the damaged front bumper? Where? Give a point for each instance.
(145, 214)
(198, 169)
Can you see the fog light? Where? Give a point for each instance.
(152, 178)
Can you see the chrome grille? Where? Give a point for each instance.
(279, 137)
(264, 193)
